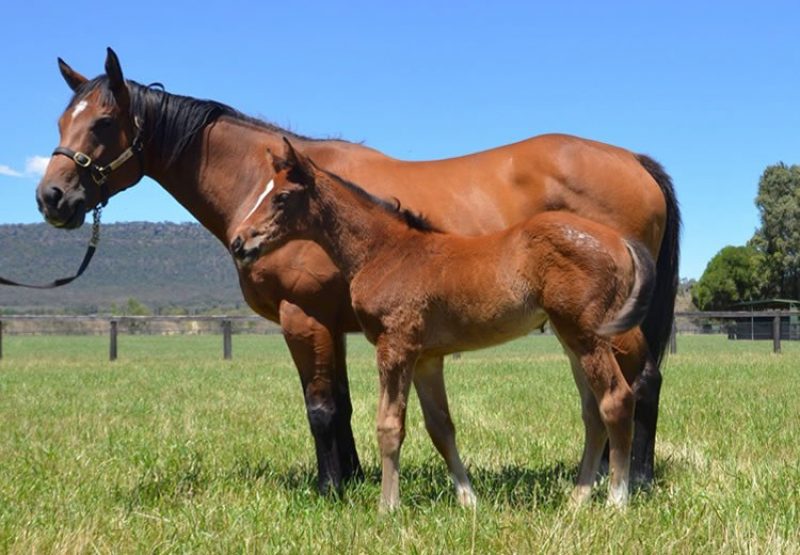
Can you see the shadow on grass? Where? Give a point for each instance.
(422, 484)
(425, 483)
(170, 481)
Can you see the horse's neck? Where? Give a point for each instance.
(216, 177)
(351, 229)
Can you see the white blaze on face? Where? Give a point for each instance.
(260, 198)
(79, 107)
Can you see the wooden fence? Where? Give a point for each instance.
(134, 324)
(225, 325)
(776, 316)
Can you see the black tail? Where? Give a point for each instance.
(657, 325)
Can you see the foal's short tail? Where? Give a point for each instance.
(635, 308)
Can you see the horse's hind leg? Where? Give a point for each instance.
(429, 383)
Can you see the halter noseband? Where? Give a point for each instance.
(100, 174)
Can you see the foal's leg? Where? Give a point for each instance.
(595, 434)
(429, 383)
(318, 353)
(615, 402)
(639, 368)
(396, 366)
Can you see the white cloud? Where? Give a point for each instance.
(36, 165)
(11, 172)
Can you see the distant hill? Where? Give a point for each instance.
(166, 267)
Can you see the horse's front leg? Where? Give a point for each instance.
(429, 383)
(318, 353)
(396, 366)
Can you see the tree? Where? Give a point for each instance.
(132, 308)
(733, 275)
(778, 238)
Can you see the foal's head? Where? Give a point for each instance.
(282, 212)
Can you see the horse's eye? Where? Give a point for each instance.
(281, 198)
(102, 124)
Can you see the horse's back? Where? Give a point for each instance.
(493, 189)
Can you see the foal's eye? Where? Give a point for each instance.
(281, 198)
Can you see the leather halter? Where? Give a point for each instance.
(100, 174)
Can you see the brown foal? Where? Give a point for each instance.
(420, 294)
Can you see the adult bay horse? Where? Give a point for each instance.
(210, 158)
(420, 294)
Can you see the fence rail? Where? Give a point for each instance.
(225, 325)
(114, 325)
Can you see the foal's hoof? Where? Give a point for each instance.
(617, 500)
(580, 496)
(466, 497)
(386, 507)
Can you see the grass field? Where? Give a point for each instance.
(170, 449)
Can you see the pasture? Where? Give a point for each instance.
(170, 449)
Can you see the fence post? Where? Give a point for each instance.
(673, 339)
(227, 343)
(776, 334)
(112, 346)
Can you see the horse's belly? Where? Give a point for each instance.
(460, 334)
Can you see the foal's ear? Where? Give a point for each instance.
(115, 79)
(72, 77)
(301, 168)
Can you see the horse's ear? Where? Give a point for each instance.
(301, 166)
(115, 79)
(72, 77)
(113, 70)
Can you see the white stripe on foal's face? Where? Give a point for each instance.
(79, 107)
(261, 198)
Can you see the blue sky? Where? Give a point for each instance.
(710, 89)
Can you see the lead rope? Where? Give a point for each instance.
(94, 240)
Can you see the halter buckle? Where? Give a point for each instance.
(81, 159)
(100, 175)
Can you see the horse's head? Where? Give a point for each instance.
(98, 150)
(281, 212)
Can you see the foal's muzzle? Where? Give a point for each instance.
(243, 254)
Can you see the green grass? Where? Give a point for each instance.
(170, 449)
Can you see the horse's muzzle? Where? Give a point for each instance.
(60, 209)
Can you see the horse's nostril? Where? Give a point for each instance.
(237, 246)
(52, 195)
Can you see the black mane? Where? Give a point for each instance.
(172, 121)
